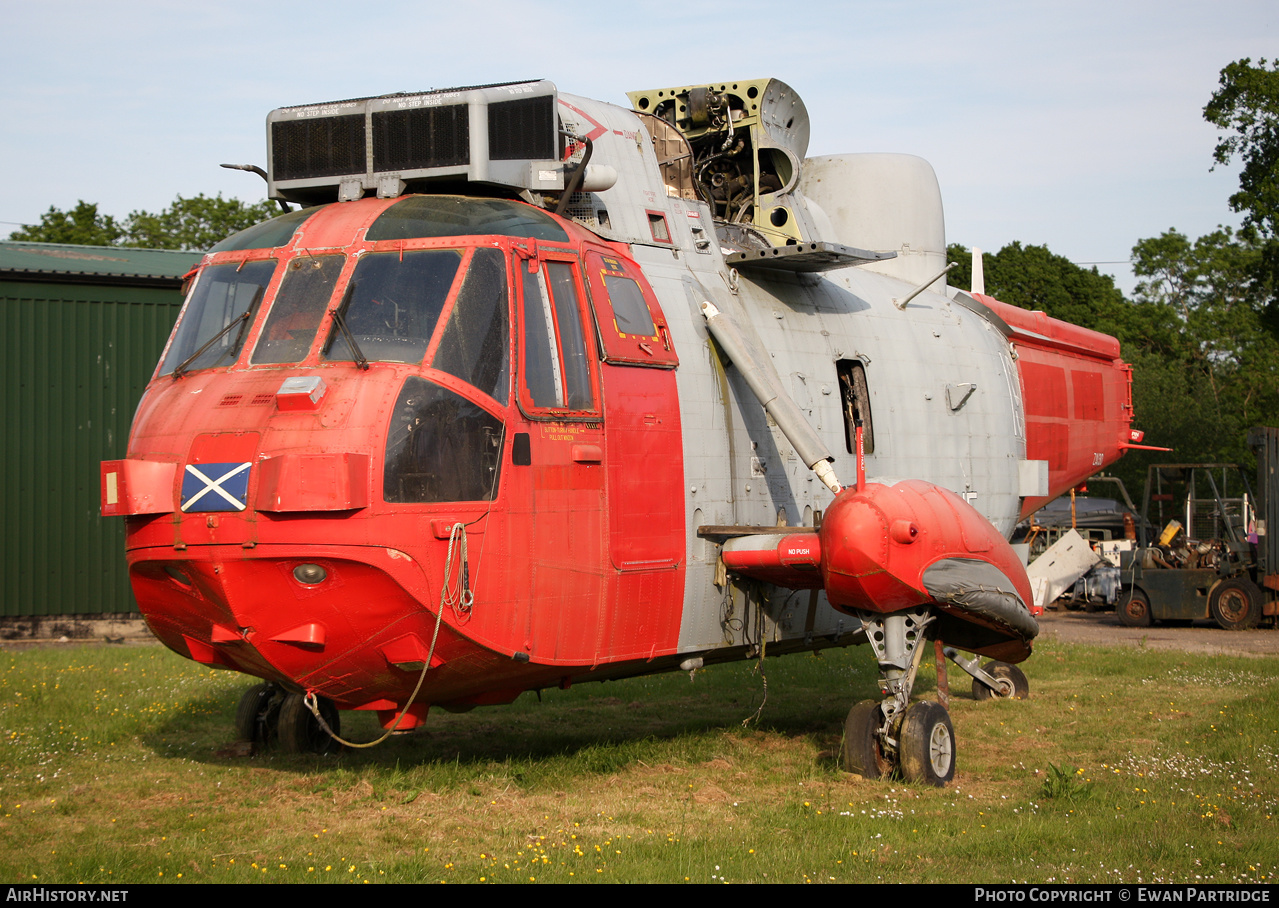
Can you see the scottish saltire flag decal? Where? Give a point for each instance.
(215, 487)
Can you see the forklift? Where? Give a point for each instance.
(1214, 558)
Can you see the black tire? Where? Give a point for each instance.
(1013, 683)
(927, 744)
(1135, 610)
(300, 733)
(257, 716)
(862, 752)
(1235, 604)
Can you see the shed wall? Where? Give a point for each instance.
(77, 357)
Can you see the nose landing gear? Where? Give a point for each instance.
(864, 752)
(257, 718)
(269, 716)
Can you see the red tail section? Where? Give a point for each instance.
(1077, 394)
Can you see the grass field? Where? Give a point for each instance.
(1126, 765)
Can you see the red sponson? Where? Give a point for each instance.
(877, 542)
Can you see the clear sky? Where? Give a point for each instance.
(1073, 124)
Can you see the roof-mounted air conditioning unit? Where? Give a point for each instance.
(504, 135)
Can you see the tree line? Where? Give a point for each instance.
(192, 224)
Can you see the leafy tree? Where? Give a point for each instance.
(1247, 106)
(1228, 359)
(193, 224)
(1211, 284)
(82, 225)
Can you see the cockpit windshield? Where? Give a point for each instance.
(217, 316)
(299, 305)
(417, 217)
(442, 308)
(473, 346)
(392, 304)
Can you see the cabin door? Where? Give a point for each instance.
(558, 453)
(644, 463)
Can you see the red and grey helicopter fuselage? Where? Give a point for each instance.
(416, 448)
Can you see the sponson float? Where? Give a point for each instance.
(535, 390)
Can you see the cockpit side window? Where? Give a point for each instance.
(577, 371)
(216, 318)
(555, 364)
(632, 327)
(299, 305)
(473, 346)
(440, 447)
(392, 304)
(630, 312)
(542, 376)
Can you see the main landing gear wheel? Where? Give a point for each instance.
(1235, 604)
(926, 744)
(1135, 611)
(258, 714)
(1012, 683)
(863, 753)
(300, 733)
(915, 739)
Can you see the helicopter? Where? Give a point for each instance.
(534, 390)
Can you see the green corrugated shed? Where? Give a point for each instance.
(83, 329)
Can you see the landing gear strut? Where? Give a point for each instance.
(916, 739)
(994, 680)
